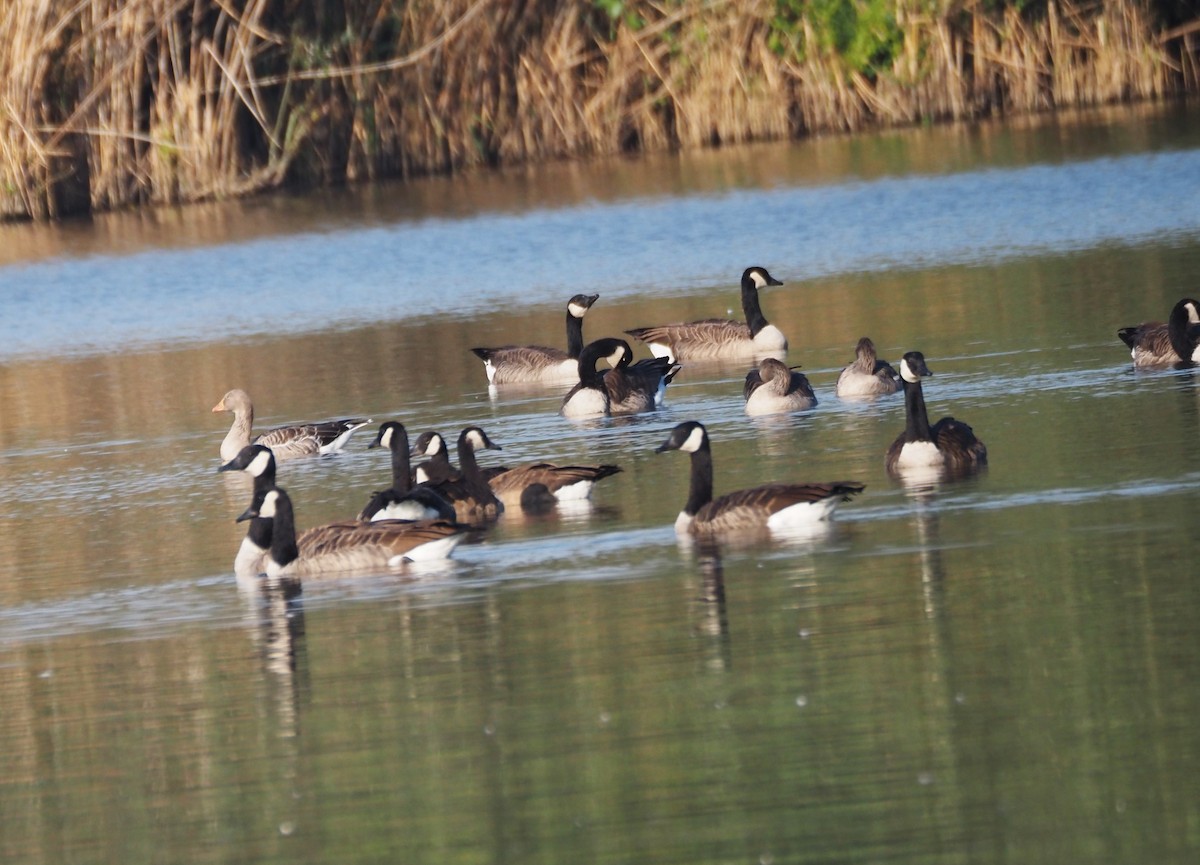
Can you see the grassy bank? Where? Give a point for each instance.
(110, 103)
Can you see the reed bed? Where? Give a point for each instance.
(111, 103)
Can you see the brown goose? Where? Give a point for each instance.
(470, 494)
(947, 447)
(1154, 344)
(772, 388)
(286, 442)
(563, 483)
(403, 501)
(715, 338)
(347, 546)
(538, 364)
(782, 507)
(867, 375)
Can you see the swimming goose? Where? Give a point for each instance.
(948, 445)
(641, 386)
(347, 546)
(298, 440)
(403, 501)
(590, 397)
(437, 464)
(719, 338)
(523, 364)
(470, 494)
(770, 506)
(563, 483)
(259, 462)
(773, 388)
(1154, 344)
(867, 375)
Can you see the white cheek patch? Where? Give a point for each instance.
(258, 465)
(616, 356)
(1193, 314)
(267, 508)
(694, 441)
(385, 440)
(433, 447)
(906, 372)
(759, 280)
(577, 310)
(476, 440)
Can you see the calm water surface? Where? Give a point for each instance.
(997, 670)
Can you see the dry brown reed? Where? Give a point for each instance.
(110, 103)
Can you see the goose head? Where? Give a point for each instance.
(429, 444)
(391, 434)
(913, 368)
(236, 401)
(689, 437)
(266, 505)
(615, 351)
(255, 460)
(476, 439)
(578, 306)
(757, 277)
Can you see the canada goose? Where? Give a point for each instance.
(524, 364)
(259, 462)
(298, 440)
(346, 546)
(470, 494)
(867, 375)
(773, 388)
(770, 506)
(948, 445)
(523, 485)
(590, 397)
(403, 501)
(719, 338)
(641, 386)
(627, 388)
(437, 466)
(1154, 344)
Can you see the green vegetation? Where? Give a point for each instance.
(122, 102)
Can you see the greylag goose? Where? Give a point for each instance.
(286, 442)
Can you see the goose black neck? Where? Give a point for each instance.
(751, 309)
(916, 427)
(1179, 329)
(587, 369)
(700, 489)
(283, 542)
(574, 335)
(470, 468)
(401, 465)
(261, 532)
